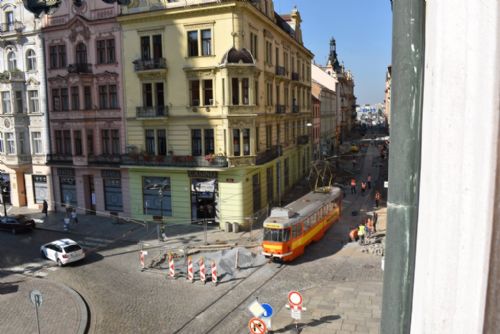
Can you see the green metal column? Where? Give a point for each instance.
(404, 164)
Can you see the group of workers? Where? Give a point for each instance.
(367, 184)
(365, 229)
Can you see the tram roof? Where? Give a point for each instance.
(302, 207)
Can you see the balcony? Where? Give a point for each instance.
(60, 158)
(80, 68)
(183, 161)
(295, 76)
(16, 26)
(280, 109)
(295, 108)
(268, 155)
(280, 70)
(15, 159)
(104, 159)
(303, 140)
(152, 112)
(150, 64)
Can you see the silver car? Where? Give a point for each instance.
(62, 251)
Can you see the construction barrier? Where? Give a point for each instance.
(214, 272)
(202, 270)
(190, 273)
(171, 266)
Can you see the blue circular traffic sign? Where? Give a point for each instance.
(269, 310)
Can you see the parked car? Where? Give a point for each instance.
(16, 224)
(62, 251)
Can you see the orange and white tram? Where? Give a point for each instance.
(288, 230)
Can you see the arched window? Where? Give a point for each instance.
(11, 59)
(81, 53)
(31, 60)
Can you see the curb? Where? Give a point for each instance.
(84, 310)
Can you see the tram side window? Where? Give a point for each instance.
(286, 234)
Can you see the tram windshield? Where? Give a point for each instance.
(278, 235)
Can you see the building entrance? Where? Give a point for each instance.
(204, 200)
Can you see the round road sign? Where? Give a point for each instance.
(257, 326)
(295, 298)
(269, 310)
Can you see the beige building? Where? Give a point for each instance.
(217, 105)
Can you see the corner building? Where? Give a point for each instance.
(23, 118)
(218, 108)
(82, 51)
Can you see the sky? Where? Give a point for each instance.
(363, 32)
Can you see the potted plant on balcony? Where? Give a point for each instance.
(210, 157)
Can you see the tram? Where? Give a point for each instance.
(288, 230)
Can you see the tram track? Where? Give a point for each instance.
(250, 285)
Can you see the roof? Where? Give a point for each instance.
(234, 56)
(322, 78)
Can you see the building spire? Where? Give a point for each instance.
(332, 58)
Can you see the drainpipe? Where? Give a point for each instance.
(404, 164)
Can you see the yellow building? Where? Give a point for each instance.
(218, 108)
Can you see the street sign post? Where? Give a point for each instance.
(257, 326)
(37, 300)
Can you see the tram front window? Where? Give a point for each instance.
(272, 234)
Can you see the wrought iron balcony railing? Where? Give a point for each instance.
(150, 64)
(280, 70)
(152, 112)
(295, 76)
(280, 109)
(268, 155)
(295, 108)
(80, 68)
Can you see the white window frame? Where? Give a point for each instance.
(36, 142)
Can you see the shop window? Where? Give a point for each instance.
(156, 195)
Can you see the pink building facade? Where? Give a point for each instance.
(84, 90)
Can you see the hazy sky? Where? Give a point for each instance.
(362, 29)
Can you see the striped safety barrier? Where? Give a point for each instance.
(141, 259)
(190, 273)
(214, 272)
(171, 266)
(202, 270)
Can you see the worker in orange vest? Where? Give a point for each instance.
(377, 198)
(353, 186)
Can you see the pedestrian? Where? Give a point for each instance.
(353, 186)
(353, 163)
(363, 187)
(353, 234)
(361, 232)
(45, 208)
(369, 181)
(377, 198)
(74, 219)
(369, 226)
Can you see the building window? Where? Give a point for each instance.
(236, 142)
(64, 99)
(254, 45)
(113, 97)
(196, 146)
(57, 56)
(75, 98)
(152, 98)
(67, 142)
(115, 141)
(112, 191)
(12, 62)
(68, 190)
(103, 97)
(149, 43)
(208, 96)
(157, 196)
(269, 136)
(194, 92)
(206, 42)
(31, 60)
(150, 141)
(246, 141)
(9, 20)
(147, 95)
(56, 100)
(257, 139)
(36, 142)
(59, 145)
(87, 97)
(105, 142)
(270, 184)
(106, 53)
(34, 105)
(22, 143)
(269, 94)
(192, 43)
(195, 37)
(269, 53)
(81, 53)
(161, 136)
(11, 143)
(245, 90)
(6, 103)
(90, 141)
(2, 145)
(256, 92)
(235, 90)
(19, 101)
(209, 141)
(77, 134)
